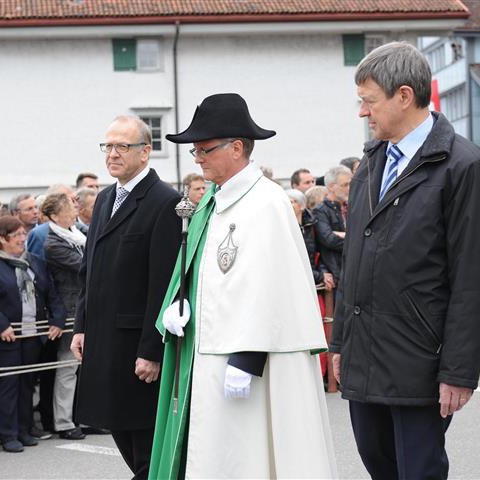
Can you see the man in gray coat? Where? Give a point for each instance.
(406, 332)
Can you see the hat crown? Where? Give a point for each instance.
(223, 115)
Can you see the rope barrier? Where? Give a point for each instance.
(41, 334)
(38, 367)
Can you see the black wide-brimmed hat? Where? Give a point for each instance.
(224, 115)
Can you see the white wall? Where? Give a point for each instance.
(453, 75)
(58, 98)
(297, 86)
(59, 95)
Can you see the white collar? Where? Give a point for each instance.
(411, 142)
(131, 184)
(236, 187)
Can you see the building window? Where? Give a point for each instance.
(373, 41)
(137, 55)
(353, 49)
(124, 55)
(454, 104)
(436, 58)
(155, 124)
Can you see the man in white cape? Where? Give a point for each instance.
(251, 402)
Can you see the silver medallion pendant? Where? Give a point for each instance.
(227, 251)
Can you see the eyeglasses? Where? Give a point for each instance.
(17, 234)
(202, 152)
(119, 147)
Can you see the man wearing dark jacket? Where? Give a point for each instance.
(406, 332)
(131, 249)
(330, 218)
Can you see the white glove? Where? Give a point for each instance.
(172, 320)
(237, 383)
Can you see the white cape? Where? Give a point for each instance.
(265, 302)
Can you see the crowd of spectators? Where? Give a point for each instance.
(55, 224)
(42, 242)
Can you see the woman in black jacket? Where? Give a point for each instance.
(307, 223)
(27, 296)
(64, 248)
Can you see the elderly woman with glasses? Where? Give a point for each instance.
(64, 249)
(29, 307)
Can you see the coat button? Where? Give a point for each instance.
(367, 232)
(357, 310)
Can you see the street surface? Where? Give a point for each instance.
(97, 458)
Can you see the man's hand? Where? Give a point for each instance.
(237, 383)
(453, 398)
(76, 347)
(54, 332)
(172, 320)
(8, 335)
(336, 366)
(147, 370)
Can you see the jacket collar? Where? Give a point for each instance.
(128, 206)
(236, 187)
(439, 140)
(308, 218)
(436, 148)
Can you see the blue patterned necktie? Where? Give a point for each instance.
(394, 154)
(122, 194)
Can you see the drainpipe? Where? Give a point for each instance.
(175, 93)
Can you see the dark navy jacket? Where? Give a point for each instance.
(49, 304)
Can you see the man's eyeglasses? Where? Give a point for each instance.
(119, 147)
(202, 152)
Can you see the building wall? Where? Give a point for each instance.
(59, 95)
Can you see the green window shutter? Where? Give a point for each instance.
(124, 55)
(353, 49)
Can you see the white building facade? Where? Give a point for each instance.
(61, 86)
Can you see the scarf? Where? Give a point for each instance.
(25, 283)
(72, 235)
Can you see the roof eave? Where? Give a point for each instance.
(209, 19)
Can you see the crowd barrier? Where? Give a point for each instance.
(42, 327)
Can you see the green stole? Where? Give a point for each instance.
(170, 429)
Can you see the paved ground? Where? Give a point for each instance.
(97, 458)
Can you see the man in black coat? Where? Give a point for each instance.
(406, 332)
(131, 249)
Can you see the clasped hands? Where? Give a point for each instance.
(237, 382)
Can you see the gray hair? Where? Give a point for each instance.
(15, 201)
(59, 188)
(396, 64)
(247, 143)
(82, 194)
(332, 175)
(298, 196)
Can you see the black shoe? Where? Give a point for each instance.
(72, 434)
(27, 440)
(95, 431)
(12, 446)
(40, 434)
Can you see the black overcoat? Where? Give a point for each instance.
(407, 314)
(124, 275)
